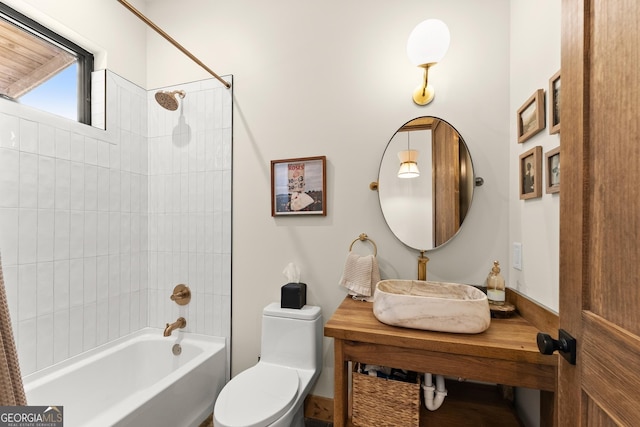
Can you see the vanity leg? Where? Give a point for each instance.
(547, 406)
(341, 391)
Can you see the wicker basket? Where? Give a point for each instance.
(379, 402)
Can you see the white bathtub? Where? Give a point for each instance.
(135, 381)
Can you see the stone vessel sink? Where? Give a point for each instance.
(431, 306)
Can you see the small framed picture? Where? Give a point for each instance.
(554, 103)
(531, 116)
(298, 186)
(531, 173)
(552, 164)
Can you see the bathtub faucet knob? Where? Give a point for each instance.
(181, 295)
(180, 323)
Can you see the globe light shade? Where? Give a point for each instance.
(428, 42)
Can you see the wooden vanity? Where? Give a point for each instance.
(506, 353)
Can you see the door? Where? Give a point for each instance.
(600, 212)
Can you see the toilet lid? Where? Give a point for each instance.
(258, 396)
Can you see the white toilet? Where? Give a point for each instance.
(272, 392)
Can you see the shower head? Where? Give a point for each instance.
(168, 99)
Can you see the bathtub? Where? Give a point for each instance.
(135, 381)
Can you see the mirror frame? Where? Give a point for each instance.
(465, 181)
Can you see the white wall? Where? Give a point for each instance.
(535, 57)
(332, 78)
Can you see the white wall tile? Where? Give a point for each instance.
(76, 234)
(62, 184)
(76, 330)
(46, 182)
(114, 232)
(60, 336)
(90, 280)
(114, 317)
(44, 288)
(63, 144)
(91, 187)
(90, 233)
(9, 236)
(103, 189)
(124, 320)
(90, 151)
(76, 282)
(46, 140)
(76, 150)
(45, 232)
(76, 186)
(89, 338)
(61, 281)
(125, 191)
(27, 349)
(102, 278)
(44, 341)
(62, 235)
(9, 131)
(114, 276)
(27, 287)
(9, 177)
(27, 235)
(102, 238)
(28, 136)
(103, 153)
(28, 180)
(114, 190)
(102, 322)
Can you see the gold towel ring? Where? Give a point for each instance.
(362, 237)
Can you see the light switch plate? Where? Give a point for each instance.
(517, 255)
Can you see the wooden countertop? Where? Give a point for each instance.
(511, 341)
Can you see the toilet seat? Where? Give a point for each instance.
(256, 397)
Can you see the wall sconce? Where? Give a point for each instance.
(427, 45)
(408, 162)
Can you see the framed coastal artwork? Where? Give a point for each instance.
(552, 165)
(298, 186)
(531, 173)
(531, 116)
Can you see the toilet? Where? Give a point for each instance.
(272, 392)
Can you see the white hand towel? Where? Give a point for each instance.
(361, 274)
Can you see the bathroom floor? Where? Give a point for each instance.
(308, 422)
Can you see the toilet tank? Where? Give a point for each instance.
(292, 337)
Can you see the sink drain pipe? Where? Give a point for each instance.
(433, 395)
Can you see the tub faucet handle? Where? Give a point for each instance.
(181, 295)
(180, 323)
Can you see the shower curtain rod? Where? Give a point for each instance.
(172, 41)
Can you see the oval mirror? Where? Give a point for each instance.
(425, 183)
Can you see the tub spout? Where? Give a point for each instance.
(180, 323)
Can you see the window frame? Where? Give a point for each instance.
(84, 62)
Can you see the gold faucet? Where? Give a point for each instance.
(422, 266)
(180, 323)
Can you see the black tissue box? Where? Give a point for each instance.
(293, 295)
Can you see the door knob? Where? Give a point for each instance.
(565, 345)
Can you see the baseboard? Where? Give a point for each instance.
(319, 408)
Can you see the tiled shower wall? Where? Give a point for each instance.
(79, 215)
(190, 207)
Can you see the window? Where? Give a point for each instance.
(42, 69)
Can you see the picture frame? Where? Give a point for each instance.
(554, 103)
(530, 178)
(552, 165)
(298, 186)
(531, 118)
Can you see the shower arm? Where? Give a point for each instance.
(172, 41)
